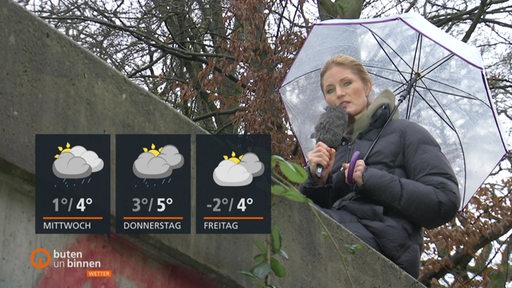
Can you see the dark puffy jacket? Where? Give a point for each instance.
(408, 184)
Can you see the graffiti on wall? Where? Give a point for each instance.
(111, 262)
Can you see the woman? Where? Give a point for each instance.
(404, 184)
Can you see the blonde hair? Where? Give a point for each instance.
(349, 62)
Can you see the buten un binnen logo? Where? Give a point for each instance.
(39, 262)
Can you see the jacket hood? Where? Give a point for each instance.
(376, 114)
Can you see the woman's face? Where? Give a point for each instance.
(342, 87)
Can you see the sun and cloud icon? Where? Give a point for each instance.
(238, 171)
(76, 162)
(158, 163)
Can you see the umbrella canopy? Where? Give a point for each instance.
(450, 96)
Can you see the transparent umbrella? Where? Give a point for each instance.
(440, 80)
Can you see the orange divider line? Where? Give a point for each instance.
(233, 218)
(72, 218)
(152, 218)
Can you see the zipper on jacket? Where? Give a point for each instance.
(349, 147)
(350, 151)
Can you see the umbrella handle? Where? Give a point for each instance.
(351, 167)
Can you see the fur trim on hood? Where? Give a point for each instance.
(376, 114)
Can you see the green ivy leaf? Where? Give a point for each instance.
(275, 239)
(259, 258)
(352, 249)
(261, 246)
(293, 172)
(278, 190)
(261, 270)
(277, 268)
(274, 159)
(249, 274)
(295, 195)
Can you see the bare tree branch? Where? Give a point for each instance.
(476, 20)
(463, 256)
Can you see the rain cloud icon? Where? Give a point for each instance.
(157, 163)
(76, 162)
(238, 171)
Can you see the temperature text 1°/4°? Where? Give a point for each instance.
(70, 204)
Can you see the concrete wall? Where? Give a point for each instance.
(50, 85)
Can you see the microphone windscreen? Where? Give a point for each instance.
(331, 126)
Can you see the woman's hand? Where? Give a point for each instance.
(360, 167)
(321, 155)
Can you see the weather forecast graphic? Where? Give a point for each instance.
(157, 163)
(153, 184)
(238, 171)
(233, 185)
(153, 179)
(76, 162)
(72, 186)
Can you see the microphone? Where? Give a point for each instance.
(330, 128)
